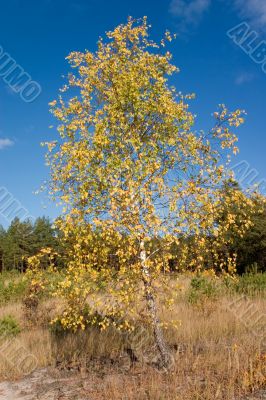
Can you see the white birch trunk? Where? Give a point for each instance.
(165, 356)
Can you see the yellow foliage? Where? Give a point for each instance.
(129, 168)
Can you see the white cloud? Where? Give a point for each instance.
(253, 10)
(244, 77)
(5, 143)
(189, 12)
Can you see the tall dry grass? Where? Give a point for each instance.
(218, 351)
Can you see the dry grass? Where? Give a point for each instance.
(218, 354)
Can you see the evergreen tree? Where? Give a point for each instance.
(43, 234)
(23, 239)
(2, 239)
(18, 244)
(251, 249)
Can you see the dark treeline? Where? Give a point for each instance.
(23, 239)
(249, 249)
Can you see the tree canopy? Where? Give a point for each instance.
(134, 175)
(23, 239)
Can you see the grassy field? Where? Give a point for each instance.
(219, 347)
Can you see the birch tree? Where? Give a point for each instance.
(131, 171)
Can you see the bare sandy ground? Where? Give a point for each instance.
(46, 384)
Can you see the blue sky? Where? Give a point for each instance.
(38, 35)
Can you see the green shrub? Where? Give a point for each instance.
(12, 288)
(251, 284)
(9, 326)
(202, 289)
